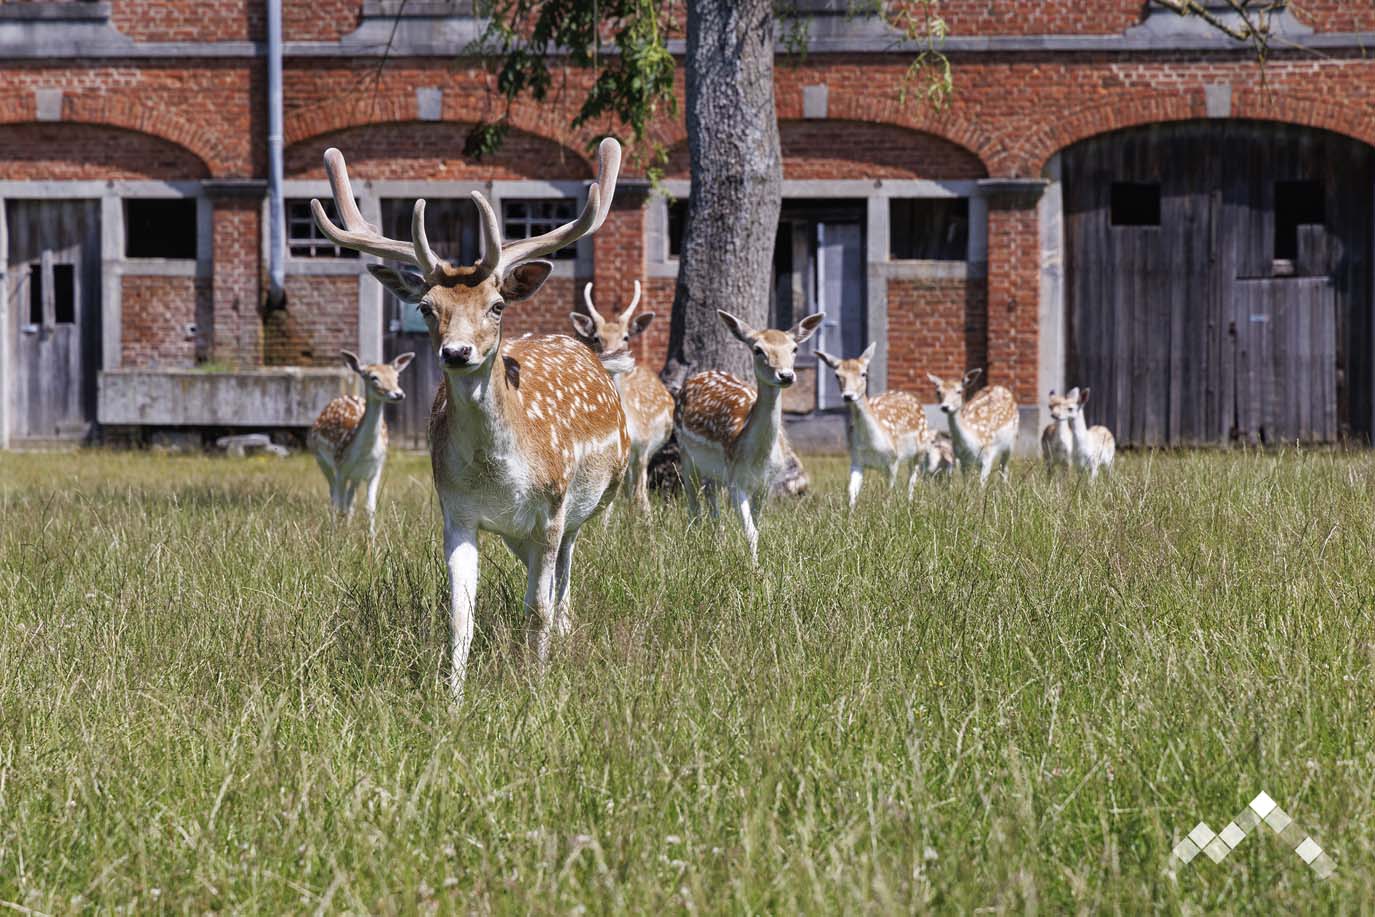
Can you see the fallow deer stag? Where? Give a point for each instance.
(527, 436)
(733, 435)
(647, 404)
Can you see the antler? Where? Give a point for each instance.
(587, 298)
(499, 257)
(634, 301)
(361, 235)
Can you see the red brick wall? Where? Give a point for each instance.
(858, 149)
(937, 326)
(155, 313)
(547, 312)
(320, 319)
(76, 152)
(1014, 262)
(190, 20)
(433, 150)
(237, 331)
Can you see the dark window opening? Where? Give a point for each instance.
(1135, 203)
(677, 219)
(160, 228)
(304, 239)
(64, 294)
(36, 294)
(525, 219)
(928, 229)
(1297, 203)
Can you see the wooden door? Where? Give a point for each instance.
(1219, 283)
(451, 224)
(54, 297)
(839, 259)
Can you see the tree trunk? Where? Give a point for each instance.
(737, 176)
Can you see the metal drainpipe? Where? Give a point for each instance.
(276, 209)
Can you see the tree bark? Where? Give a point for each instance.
(737, 182)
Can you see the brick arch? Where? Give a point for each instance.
(391, 112)
(201, 154)
(1029, 155)
(433, 151)
(830, 148)
(72, 151)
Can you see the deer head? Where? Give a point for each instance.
(462, 304)
(380, 380)
(606, 335)
(775, 352)
(852, 375)
(951, 394)
(1066, 406)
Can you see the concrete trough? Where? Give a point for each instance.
(279, 397)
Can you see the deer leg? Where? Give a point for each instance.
(985, 467)
(639, 466)
(541, 585)
(1002, 463)
(856, 482)
(563, 611)
(692, 486)
(712, 506)
(373, 484)
(460, 554)
(914, 474)
(741, 498)
(350, 491)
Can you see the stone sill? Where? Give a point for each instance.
(288, 396)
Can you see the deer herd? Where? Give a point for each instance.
(531, 436)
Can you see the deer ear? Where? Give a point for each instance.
(1073, 394)
(869, 351)
(935, 380)
(524, 280)
(973, 374)
(402, 361)
(826, 358)
(351, 361)
(640, 323)
(738, 328)
(583, 324)
(407, 286)
(807, 327)
(1084, 395)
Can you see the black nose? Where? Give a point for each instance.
(398, 396)
(456, 355)
(848, 397)
(786, 378)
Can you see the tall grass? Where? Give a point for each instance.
(213, 698)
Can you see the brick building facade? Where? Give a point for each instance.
(941, 234)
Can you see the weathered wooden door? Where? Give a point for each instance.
(54, 305)
(1220, 283)
(840, 294)
(451, 224)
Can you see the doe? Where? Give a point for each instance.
(731, 434)
(1094, 447)
(885, 431)
(349, 438)
(982, 429)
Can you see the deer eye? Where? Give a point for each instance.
(425, 309)
(496, 308)
(759, 351)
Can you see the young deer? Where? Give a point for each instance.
(647, 404)
(527, 436)
(885, 431)
(349, 438)
(1094, 447)
(938, 454)
(1057, 440)
(732, 435)
(983, 429)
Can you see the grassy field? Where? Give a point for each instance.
(212, 698)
